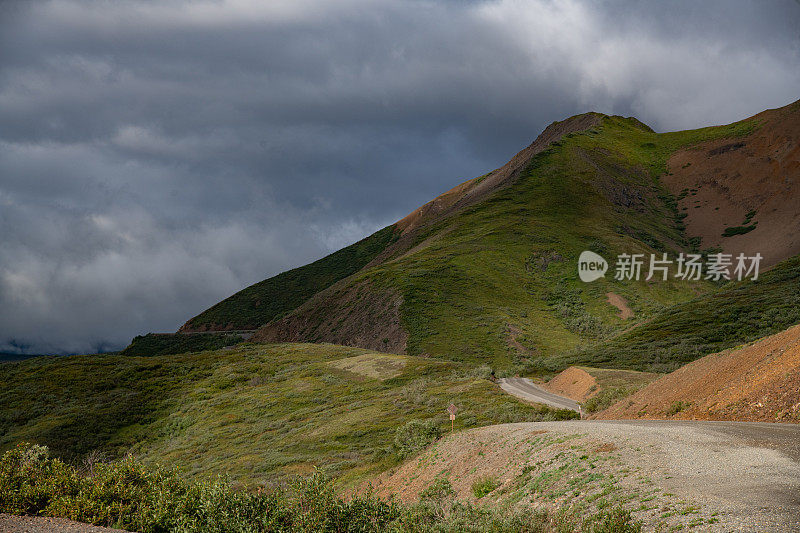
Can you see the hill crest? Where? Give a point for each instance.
(485, 272)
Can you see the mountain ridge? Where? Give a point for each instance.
(592, 181)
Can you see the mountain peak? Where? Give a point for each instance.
(472, 191)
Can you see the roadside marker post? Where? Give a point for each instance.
(452, 410)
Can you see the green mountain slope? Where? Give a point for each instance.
(738, 313)
(486, 272)
(258, 304)
(496, 281)
(256, 413)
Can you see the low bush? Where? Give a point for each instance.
(616, 520)
(677, 407)
(605, 399)
(483, 486)
(414, 436)
(438, 490)
(737, 230)
(175, 343)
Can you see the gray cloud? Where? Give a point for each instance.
(156, 157)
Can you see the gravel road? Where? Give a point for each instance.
(527, 390)
(44, 524)
(748, 472)
(687, 475)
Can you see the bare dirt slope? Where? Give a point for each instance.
(582, 383)
(722, 181)
(625, 312)
(756, 382)
(574, 383)
(721, 476)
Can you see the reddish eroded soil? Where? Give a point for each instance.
(625, 312)
(726, 179)
(574, 383)
(759, 382)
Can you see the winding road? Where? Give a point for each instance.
(525, 389)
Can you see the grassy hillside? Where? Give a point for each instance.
(258, 304)
(169, 343)
(738, 313)
(257, 412)
(496, 282)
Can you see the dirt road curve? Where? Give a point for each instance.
(43, 524)
(688, 475)
(747, 471)
(525, 389)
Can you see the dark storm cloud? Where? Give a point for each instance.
(157, 156)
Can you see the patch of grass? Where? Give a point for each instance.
(606, 398)
(438, 490)
(484, 486)
(372, 365)
(738, 230)
(615, 520)
(614, 385)
(677, 407)
(414, 436)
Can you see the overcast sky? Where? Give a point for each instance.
(158, 156)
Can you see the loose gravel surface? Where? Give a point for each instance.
(704, 476)
(43, 524)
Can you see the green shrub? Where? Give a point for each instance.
(605, 399)
(414, 436)
(738, 230)
(175, 343)
(616, 520)
(438, 490)
(677, 407)
(125, 494)
(483, 486)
